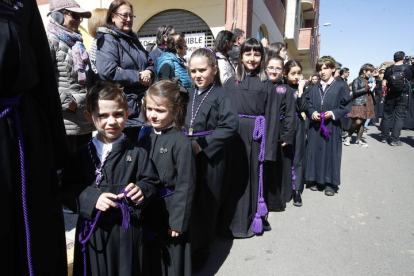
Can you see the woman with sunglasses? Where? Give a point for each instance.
(72, 67)
(121, 58)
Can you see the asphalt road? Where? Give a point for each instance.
(367, 228)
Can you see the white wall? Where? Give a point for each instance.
(261, 15)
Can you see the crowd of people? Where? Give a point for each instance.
(182, 150)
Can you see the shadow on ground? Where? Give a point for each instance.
(220, 250)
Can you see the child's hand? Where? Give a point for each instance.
(328, 114)
(284, 144)
(134, 193)
(316, 116)
(173, 233)
(106, 201)
(196, 147)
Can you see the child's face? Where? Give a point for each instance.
(201, 72)
(251, 60)
(314, 79)
(274, 70)
(109, 118)
(158, 114)
(294, 75)
(326, 73)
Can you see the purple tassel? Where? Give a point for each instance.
(325, 131)
(257, 225)
(262, 208)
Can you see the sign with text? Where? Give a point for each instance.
(194, 41)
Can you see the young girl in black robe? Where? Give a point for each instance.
(211, 123)
(293, 77)
(108, 183)
(259, 110)
(328, 102)
(278, 175)
(173, 155)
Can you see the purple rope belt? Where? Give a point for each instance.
(164, 192)
(208, 132)
(88, 226)
(9, 105)
(326, 132)
(259, 133)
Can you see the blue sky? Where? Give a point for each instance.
(366, 31)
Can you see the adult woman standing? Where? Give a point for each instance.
(362, 104)
(163, 33)
(121, 58)
(97, 20)
(172, 63)
(224, 44)
(72, 67)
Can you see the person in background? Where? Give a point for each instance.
(72, 67)
(362, 104)
(338, 67)
(33, 229)
(344, 74)
(121, 58)
(163, 32)
(396, 100)
(222, 45)
(239, 37)
(278, 48)
(172, 63)
(97, 20)
(150, 46)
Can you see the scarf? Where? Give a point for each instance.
(80, 56)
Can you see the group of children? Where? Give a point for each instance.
(206, 167)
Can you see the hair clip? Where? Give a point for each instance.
(212, 52)
(180, 83)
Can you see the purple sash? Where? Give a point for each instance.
(9, 105)
(326, 132)
(259, 133)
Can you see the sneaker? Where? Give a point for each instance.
(365, 129)
(396, 143)
(347, 141)
(314, 188)
(329, 191)
(362, 144)
(66, 210)
(384, 139)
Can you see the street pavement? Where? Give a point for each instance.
(367, 228)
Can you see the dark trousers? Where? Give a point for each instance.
(395, 110)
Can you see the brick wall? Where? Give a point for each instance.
(239, 15)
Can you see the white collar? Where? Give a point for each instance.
(328, 82)
(160, 132)
(102, 148)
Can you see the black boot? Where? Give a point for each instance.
(297, 199)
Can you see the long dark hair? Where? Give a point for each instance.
(163, 30)
(247, 46)
(223, 39)
(289, 65)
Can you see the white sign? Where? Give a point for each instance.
(194, 41)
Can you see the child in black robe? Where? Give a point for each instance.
(293, 77)
(259, 110)
(211, 123)
(173, 155)
(107, 183)
(278, 175)
(328, 102)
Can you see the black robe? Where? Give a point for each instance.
(278, 175)
(409, 118)
(110, 251)
(217, 113)
(252, 97)
(174, 158)
(26, 68)
(323, 156)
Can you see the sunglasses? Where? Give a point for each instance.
(74, 15)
